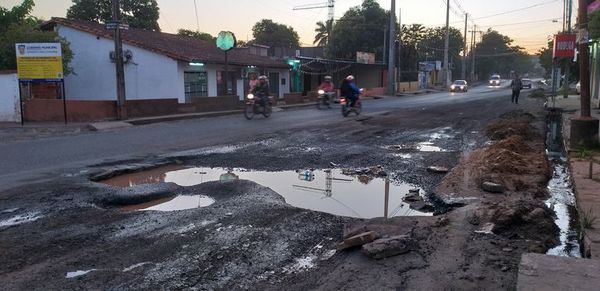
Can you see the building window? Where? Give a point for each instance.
(226, 87)
(196, 84)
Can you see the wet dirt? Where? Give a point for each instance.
(250, 238)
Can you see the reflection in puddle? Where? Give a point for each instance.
(181, 202)
(323, 190)
(151, 176)
(562, 201)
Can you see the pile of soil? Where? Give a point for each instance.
(515, 160)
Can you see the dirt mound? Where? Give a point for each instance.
(519, 115)
(514, 143)
(516, 161)
(505, 161)
(505, 128)
(526, 219)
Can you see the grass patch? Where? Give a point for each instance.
(587, 219)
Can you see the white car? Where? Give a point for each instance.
(578, 87)
(459, 85)
(495, 80)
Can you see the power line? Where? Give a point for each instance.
(519, 23)
(517, 10)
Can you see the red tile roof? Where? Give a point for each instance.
(178, 47)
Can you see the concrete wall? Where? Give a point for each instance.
(148, 76)
(10, 111)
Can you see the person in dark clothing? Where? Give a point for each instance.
(516, 86)
(261, 90)
(349, 90)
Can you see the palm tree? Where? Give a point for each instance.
(323, 31)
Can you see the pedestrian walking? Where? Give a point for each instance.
(516, 86)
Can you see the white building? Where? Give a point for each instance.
(160, 65)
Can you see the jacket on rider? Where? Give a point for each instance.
(350, 91)
(327, 86)
(262, 92)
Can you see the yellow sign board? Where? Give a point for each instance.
(39, 61)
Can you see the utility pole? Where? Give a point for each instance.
(447, 46)
(464, 59)
(121, 110)
(567, 61)
(473, 42)
(391, 87)
(584, 129)
(399, 76)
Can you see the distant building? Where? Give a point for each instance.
(163, 68)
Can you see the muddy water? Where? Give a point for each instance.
(562, 196)
(151, 176)
(322, 190)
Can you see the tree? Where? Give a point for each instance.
(495, 54)
(545, 57)
(413, 34)
(18, 14)
(18, 26)
(361, 28)
(432, 45)
(267, 32)
(196, 34)
(141, 14)
(323, 31)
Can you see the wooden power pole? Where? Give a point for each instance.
(121, 99)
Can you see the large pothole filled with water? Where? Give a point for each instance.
(351, 193)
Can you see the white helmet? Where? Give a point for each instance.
(327, 77)
(350, 78)
(262, 77)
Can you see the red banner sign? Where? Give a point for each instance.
(564, 46)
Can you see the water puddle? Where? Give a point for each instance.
(425, 146)
(330, 191)
(20, 219)
(78, 273)
(181, 202)
(151, 176)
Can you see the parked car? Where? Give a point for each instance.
(526, 83)
(578, 87)
(460, 86)
(495, 80)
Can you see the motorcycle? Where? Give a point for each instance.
(324, 99)
(254, 106)
(346, 109)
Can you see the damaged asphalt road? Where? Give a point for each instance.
(73, 233)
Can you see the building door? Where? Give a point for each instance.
(274, 84)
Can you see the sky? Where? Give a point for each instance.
(529, 28)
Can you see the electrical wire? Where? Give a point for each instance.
(517, 10)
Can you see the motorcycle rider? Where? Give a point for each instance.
(328, 87)
(262, 90)
(350, 90)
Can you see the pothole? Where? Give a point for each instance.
(331, 191)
